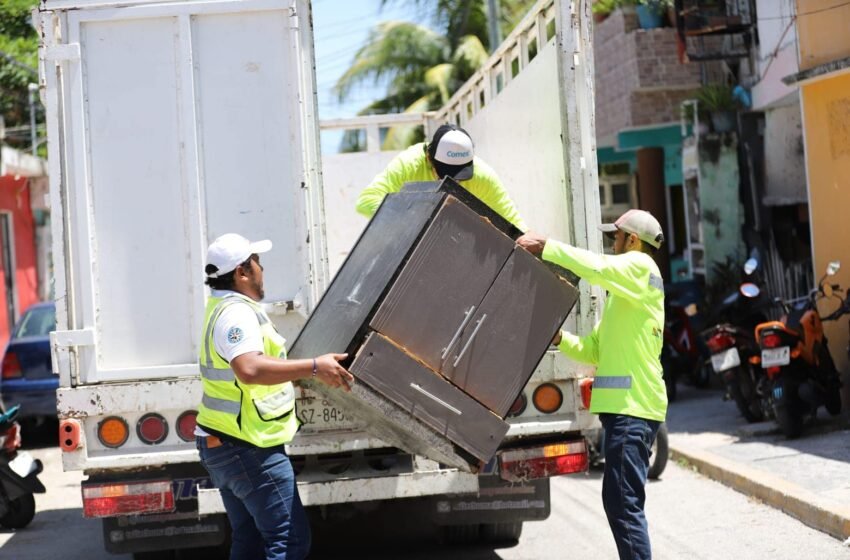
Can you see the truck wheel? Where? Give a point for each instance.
(460, 534)
(501, 532)
(660, 453)
(21, 511)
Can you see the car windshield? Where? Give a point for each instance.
(38, 321)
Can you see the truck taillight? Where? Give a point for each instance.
(152, 428)
(186, 425)
(110, 500)
(547, 398)
(11, 366)
(586, 390)
(113, 431)
(518, 465)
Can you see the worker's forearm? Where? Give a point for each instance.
(265, 370)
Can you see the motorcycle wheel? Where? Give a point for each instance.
(660, 453)
(21, 511)
(788, 416)
(750, 410)
(833, 401)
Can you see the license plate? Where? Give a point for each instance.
(776, 357)
(726, 360)
(318, 414)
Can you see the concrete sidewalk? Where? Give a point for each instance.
(807, 478)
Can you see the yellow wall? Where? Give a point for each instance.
(826, 114)
(824, 36)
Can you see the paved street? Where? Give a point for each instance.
(690, 517)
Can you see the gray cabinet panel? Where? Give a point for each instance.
(443, 282)
(428, 397)
(510, 331)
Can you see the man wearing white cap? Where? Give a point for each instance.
(450, 153)
(247, 413)
(628, 391)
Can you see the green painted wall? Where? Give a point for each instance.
(720, 208)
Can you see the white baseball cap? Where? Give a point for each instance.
(229, 251)
(451, 151)
(639, 222)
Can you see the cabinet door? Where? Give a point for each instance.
(428, 397)
(510, 331)
(441, 286)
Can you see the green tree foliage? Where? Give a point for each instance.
(18, 67)
(423, 65)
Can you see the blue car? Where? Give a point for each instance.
(27, 376)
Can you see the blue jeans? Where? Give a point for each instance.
(627, 448)
(259, 493)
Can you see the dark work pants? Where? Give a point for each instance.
(627, 448)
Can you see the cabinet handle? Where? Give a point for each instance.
(436, 399)
(455, 338)
(471, 338)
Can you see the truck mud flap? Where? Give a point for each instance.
(147, 533)
(497, 501)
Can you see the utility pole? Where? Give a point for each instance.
(33, 88)
(493, 20)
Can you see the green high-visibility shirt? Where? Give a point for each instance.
(625, 346)
(412, 165)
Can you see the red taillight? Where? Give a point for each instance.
(771, 340)
(772, 372)
(519, 405)
(186, 425)
(517, 465)
(720, 342)
(586, 390)
(11, 366)
(109, 500)
(152, 428)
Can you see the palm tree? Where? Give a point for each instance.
(423, 67)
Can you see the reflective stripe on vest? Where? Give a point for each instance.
(612, 382)
(221, 405)
(208, 369)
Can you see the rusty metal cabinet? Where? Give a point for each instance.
(441, 313)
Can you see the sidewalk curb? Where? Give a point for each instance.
(810, 508)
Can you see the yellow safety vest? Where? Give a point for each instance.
(262, 415)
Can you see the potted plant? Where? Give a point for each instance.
(721, 104)
(651, 12)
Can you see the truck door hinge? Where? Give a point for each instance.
(62, 53)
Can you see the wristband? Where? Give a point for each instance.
(314, 367)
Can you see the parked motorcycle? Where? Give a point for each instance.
(18, 475)
(796, 358)
(732, 345)
(683, 350)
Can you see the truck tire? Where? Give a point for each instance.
(460, 534)
(21, 511)
(660, 453)
(508, 532)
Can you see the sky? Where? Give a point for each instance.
(340, 28)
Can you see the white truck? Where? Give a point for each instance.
(171, 122)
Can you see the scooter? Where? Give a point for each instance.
(732, 345)
(795, 356)
(18, 475)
